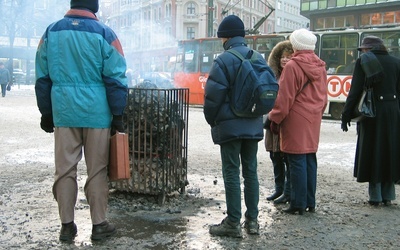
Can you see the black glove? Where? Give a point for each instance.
(345, 122)
(47, 124)
(117, 124)
(267, 123)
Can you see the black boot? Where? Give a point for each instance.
(293, 210)
(282, 200)
(68, 231)
(274, 196)
(310, 209)
(102, 231)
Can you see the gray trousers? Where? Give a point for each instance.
(69, 144)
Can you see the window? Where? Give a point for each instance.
(168, 10)
(313, 5)
(331, 3)
(323, 4)
(329, 22)
(341, 3)
(339, 51)
(388, 17)
(190, 34)
(376, 18)
(191, 9)
(339, 22)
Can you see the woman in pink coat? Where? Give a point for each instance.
(297, 116)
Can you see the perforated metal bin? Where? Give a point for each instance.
(157, 123)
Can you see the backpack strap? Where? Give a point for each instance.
(250, 55)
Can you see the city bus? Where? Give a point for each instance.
(338, 48)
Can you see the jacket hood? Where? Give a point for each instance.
(310, 63)
(234, 41)
(274, 59)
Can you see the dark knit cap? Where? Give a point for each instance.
(231, 26)
(92, 5)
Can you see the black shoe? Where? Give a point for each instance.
(274, 196)
(226, 228)
(293, 210)
(387, 202)
(374, 203)
(68, 231)
(282, 200)
(102, 230)
(310, 209)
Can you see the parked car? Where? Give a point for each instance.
(19, 77)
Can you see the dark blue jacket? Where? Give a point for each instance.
(225, 125)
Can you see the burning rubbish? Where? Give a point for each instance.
(157, 124)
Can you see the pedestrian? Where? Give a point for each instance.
(5, 79)
(280, 55)
(377, 160)
(81, 92)
(238, 137)
(297, 116)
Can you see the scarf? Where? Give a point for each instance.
(372, 68)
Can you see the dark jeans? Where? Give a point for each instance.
(3, 89)
(383, 191)
(303, 176)
(281, 172)
(232, 153)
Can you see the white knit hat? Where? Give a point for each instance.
(303, 39)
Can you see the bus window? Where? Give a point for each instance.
(209, 49)
(178, 62)
(190, 57)
(264, 45)
(249, 42)
(338, 51)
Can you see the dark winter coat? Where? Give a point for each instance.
(378, 144)
(4, 76)
(225, 125)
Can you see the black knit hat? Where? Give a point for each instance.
(92, 5)
(231, 26)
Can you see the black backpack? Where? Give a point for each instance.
(253, 91)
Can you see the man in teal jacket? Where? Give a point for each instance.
(81, 92)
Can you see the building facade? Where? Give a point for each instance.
(288, 17)
(342, 14)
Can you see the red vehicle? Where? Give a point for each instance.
(195, 57)
(337, 48)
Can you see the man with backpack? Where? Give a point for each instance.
(237, 134)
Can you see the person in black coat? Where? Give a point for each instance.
(238, 137)
(377, 158)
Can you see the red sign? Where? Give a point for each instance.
(339, 86)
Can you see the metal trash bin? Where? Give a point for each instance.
(157, 123)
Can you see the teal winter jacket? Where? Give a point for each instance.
(80, 72)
